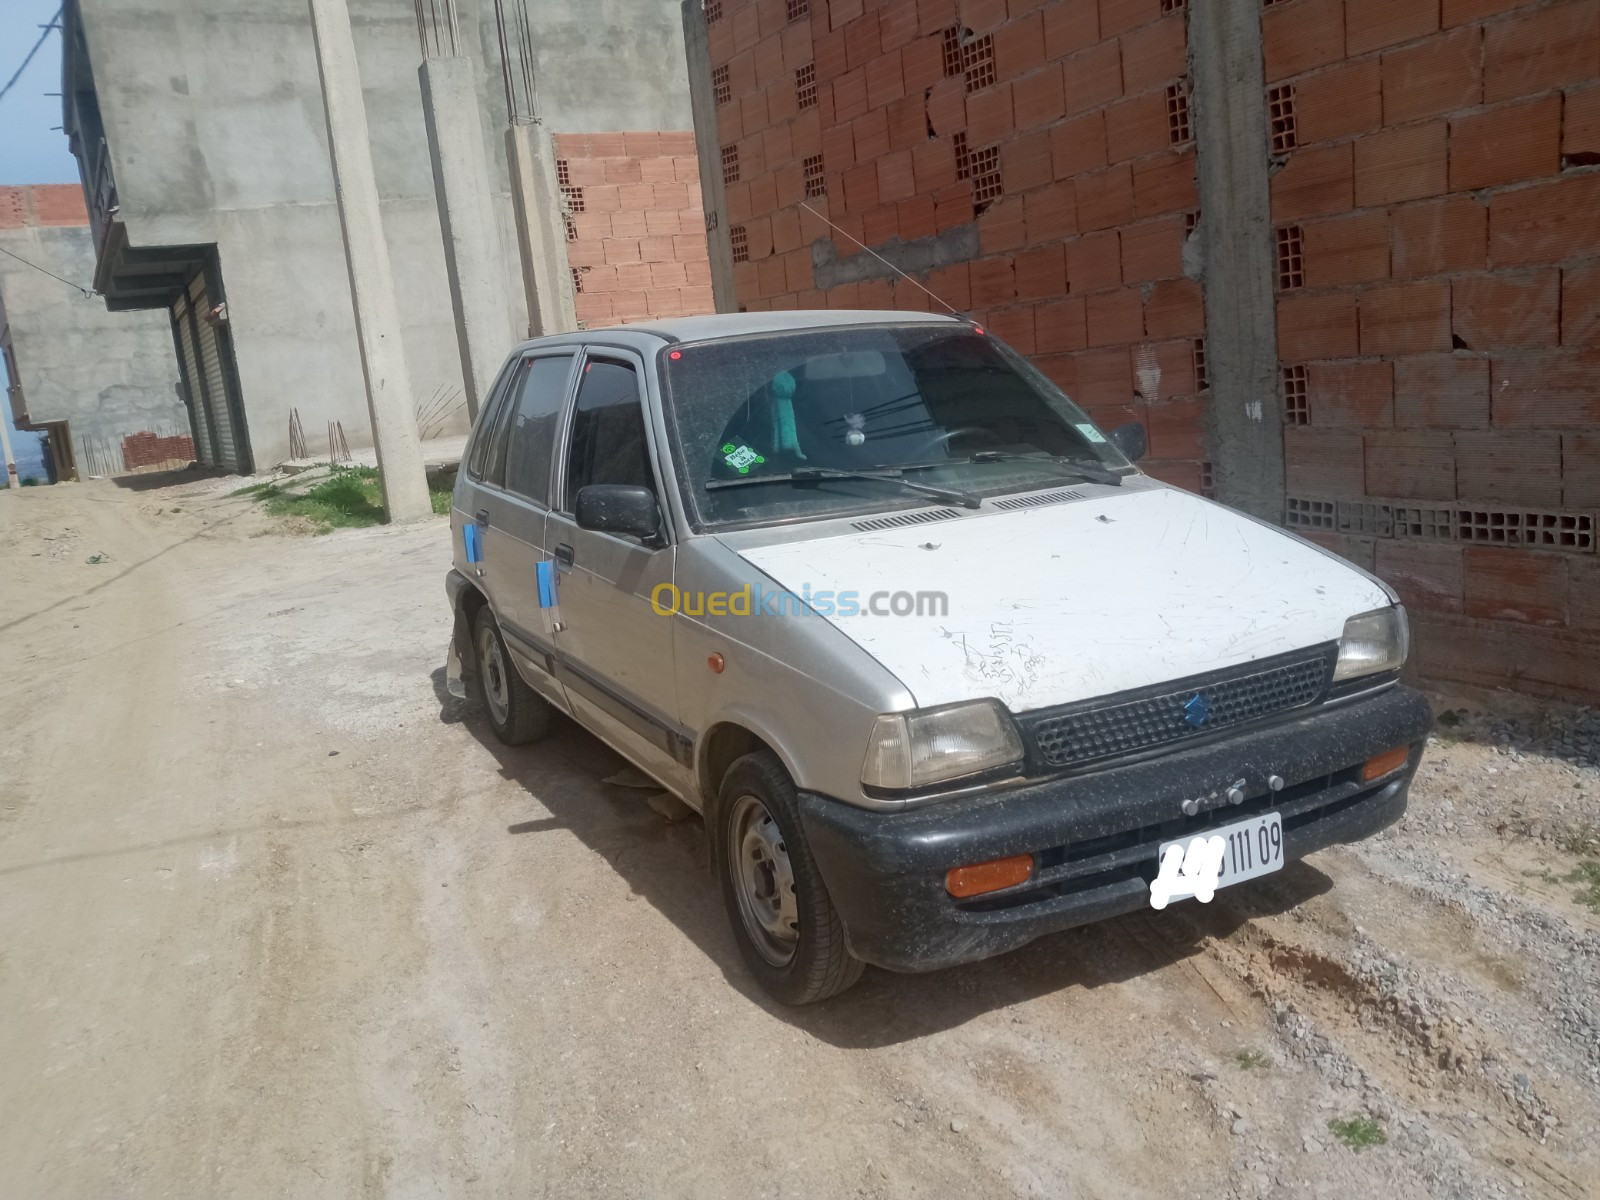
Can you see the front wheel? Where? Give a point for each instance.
(516, 712)
(787, 928)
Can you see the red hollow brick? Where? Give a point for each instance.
(1322, 462)
(1070, 27)
(1165, 370)
(1580, 305)
(1507, 312)
(1439, 236)
(1401, 164)
(1405, 318)
(1155, 54)
(1441, 75)
(1051, 212)
(1351, 394)
(1317, 326)
(1104, 378)
(1061, 325)
(1002, 226)
(1078, 145)
(1094, 261)
(1498, 466)
(1115, 317)
(1093, 77)
(1175, 309)
(1507, 145)
(1442, 391)
(1313, 182)
(1013, 326)
(1105, 198)
(1119, 16)
(982, 16)
(1583, 594)
(1580, 124)
(989, 116)
(1025, 163)
(1153, 250)
(1137, 126)
(1347, 250)
(1427, 576)
(1546, 222)
(1338, 102)
(1301, 36)
(1410, 465)
(1505, 584)
(1041, 273)
(1547, 389)
(1535, 51)
(1373, 24)
(1580, 473)
(1019, 46)
(994, 281)
(1037, 97)
(1177, 430)
(1164, 184)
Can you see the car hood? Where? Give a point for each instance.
(1069, 601)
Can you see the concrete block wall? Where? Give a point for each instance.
(636, 239)
(1055, 132)
(1437, 214)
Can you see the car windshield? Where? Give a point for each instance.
(791, 425)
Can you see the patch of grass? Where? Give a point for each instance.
(1358, 1132)
(440, 498)
(1587, 876)
(1581, 839)
(254, 489)
(347, 499)
(1250, 1058)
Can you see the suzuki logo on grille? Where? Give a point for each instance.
(1197, 710)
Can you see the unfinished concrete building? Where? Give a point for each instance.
(102, 387)
(1342, 257)
(202, 140)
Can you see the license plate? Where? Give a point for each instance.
(1249, 848)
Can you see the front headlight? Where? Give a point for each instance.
(925, 746)
(1374, 641)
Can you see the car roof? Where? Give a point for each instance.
(720, 325)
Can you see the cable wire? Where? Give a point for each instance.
(55, 23)
(88, 293)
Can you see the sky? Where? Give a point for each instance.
(31, 149)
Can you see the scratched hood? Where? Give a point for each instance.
(1071, 601)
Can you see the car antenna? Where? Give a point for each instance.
(880, 258)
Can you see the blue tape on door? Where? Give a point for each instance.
(472, 541)
(546, 572)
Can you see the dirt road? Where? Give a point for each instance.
(279, 918)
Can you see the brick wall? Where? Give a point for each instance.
(1059, 129)
(42, 204)
(1437, 213)
(635, 225)
(148, 450)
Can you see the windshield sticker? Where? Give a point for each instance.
(740, 458)
(1090, 432)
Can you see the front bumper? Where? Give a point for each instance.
(1094, 836)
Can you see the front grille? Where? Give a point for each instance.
(1153, 717)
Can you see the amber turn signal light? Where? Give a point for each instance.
(1382, 764)
(991, 876)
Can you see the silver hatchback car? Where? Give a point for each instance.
(940, 668)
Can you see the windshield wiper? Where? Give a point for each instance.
(1092, 472)
(887, 475)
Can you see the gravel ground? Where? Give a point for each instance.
(279, 918)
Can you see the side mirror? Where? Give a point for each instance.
(1131, 440)
(621, 508)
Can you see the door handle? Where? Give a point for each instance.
(482, 516)
(563, 554)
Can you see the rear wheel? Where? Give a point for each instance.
(516, 712)
(788, 930)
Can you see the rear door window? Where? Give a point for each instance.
(531, 435)
(489, 419)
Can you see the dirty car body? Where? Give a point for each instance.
(941, 668)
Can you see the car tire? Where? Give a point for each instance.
(788, 930)
(517, 714)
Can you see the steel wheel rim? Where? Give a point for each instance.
(496, 687)
(763, 881)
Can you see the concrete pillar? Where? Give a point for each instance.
(708, 146)
(541, 230)
(366, 252)
(1230, 127)
(472, 253)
